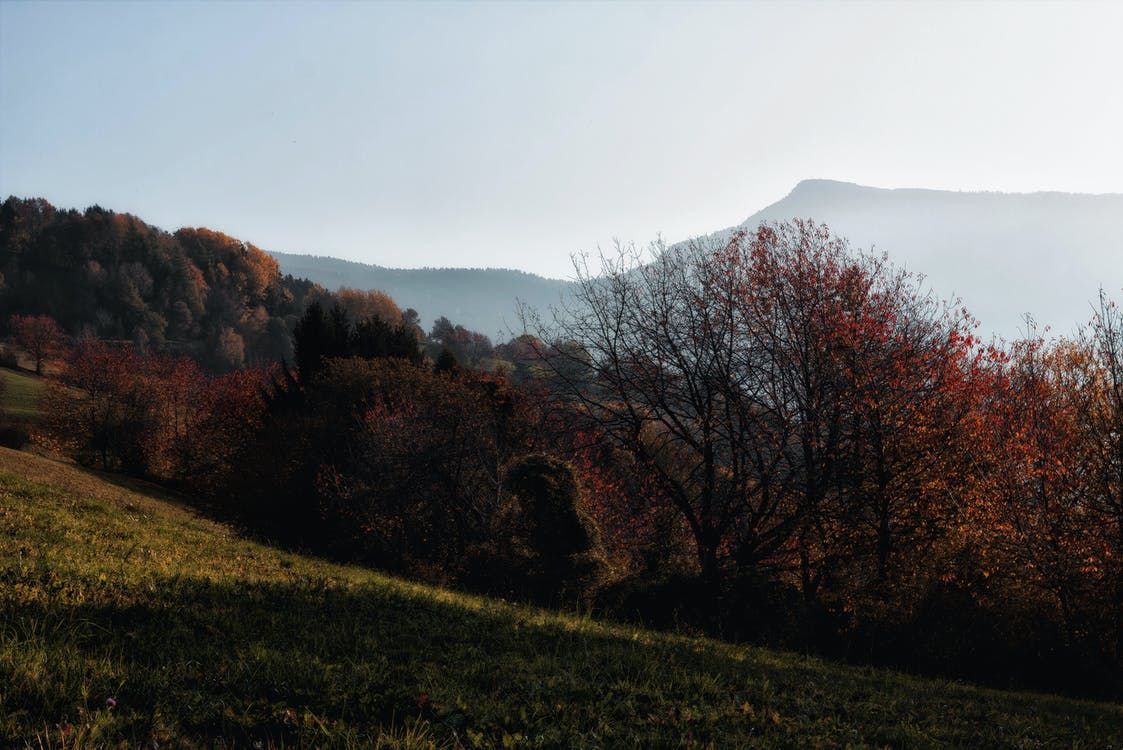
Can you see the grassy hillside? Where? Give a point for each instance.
(21, 392)
(125, 619)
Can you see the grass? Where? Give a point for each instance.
(21, 392)
(128, 620)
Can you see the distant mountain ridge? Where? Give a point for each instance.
(1003, 254)
(482, 299)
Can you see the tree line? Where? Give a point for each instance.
(829, 440)
(194, 292)
(770, 437)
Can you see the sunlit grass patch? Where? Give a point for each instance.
(21, 395)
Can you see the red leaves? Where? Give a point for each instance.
(40, 336)
(155, 415)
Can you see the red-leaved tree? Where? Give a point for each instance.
(40, 336)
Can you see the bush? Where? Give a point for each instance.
(8, 357)
(14, 434)
(547, 545)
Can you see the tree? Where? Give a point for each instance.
(319, 336)
(729, 371)
(407, 463)
(1033, 510)
(411, 321)
(446, 363)
(364, 305)
(669, 385)
(375, 337)
(157, 416)
(913, 388)
(206, 422)
(103, 408)
(470, 348)
(230, 349)
(1100, 418)
(39, 335)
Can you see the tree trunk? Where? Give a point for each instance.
(884, 544)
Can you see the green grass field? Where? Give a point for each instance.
(128, 620)
(21, 392)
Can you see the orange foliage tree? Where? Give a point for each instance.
(1031, 512)
(361, 304)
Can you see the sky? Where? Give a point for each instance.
(514, 135)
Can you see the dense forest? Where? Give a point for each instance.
(195, 292)
(770, 436)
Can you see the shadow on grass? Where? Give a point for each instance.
(309, 661)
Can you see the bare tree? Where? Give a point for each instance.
(668, 375)
(1101, 407)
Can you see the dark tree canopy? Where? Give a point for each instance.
(319, 336)
(196, 292)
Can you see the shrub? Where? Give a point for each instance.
(8, 357)
(546, 542)
(14, 434)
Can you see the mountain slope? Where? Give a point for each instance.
(128, 619)
(482, 299)
(1003, 254)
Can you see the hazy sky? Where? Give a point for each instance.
(513, 135)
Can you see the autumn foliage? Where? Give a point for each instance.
(195, 292)
(155, 416)
(40, 336)
(769, 436)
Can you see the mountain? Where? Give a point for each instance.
(1003, 254)
(482, 299)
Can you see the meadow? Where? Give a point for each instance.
(19, 400)
(130, 620)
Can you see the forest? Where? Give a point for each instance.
(773, 438)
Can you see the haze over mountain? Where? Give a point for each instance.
(482, 299)
(1003, 254)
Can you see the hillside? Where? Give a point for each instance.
(129, 619)
(481, 299)
(1003, 254)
